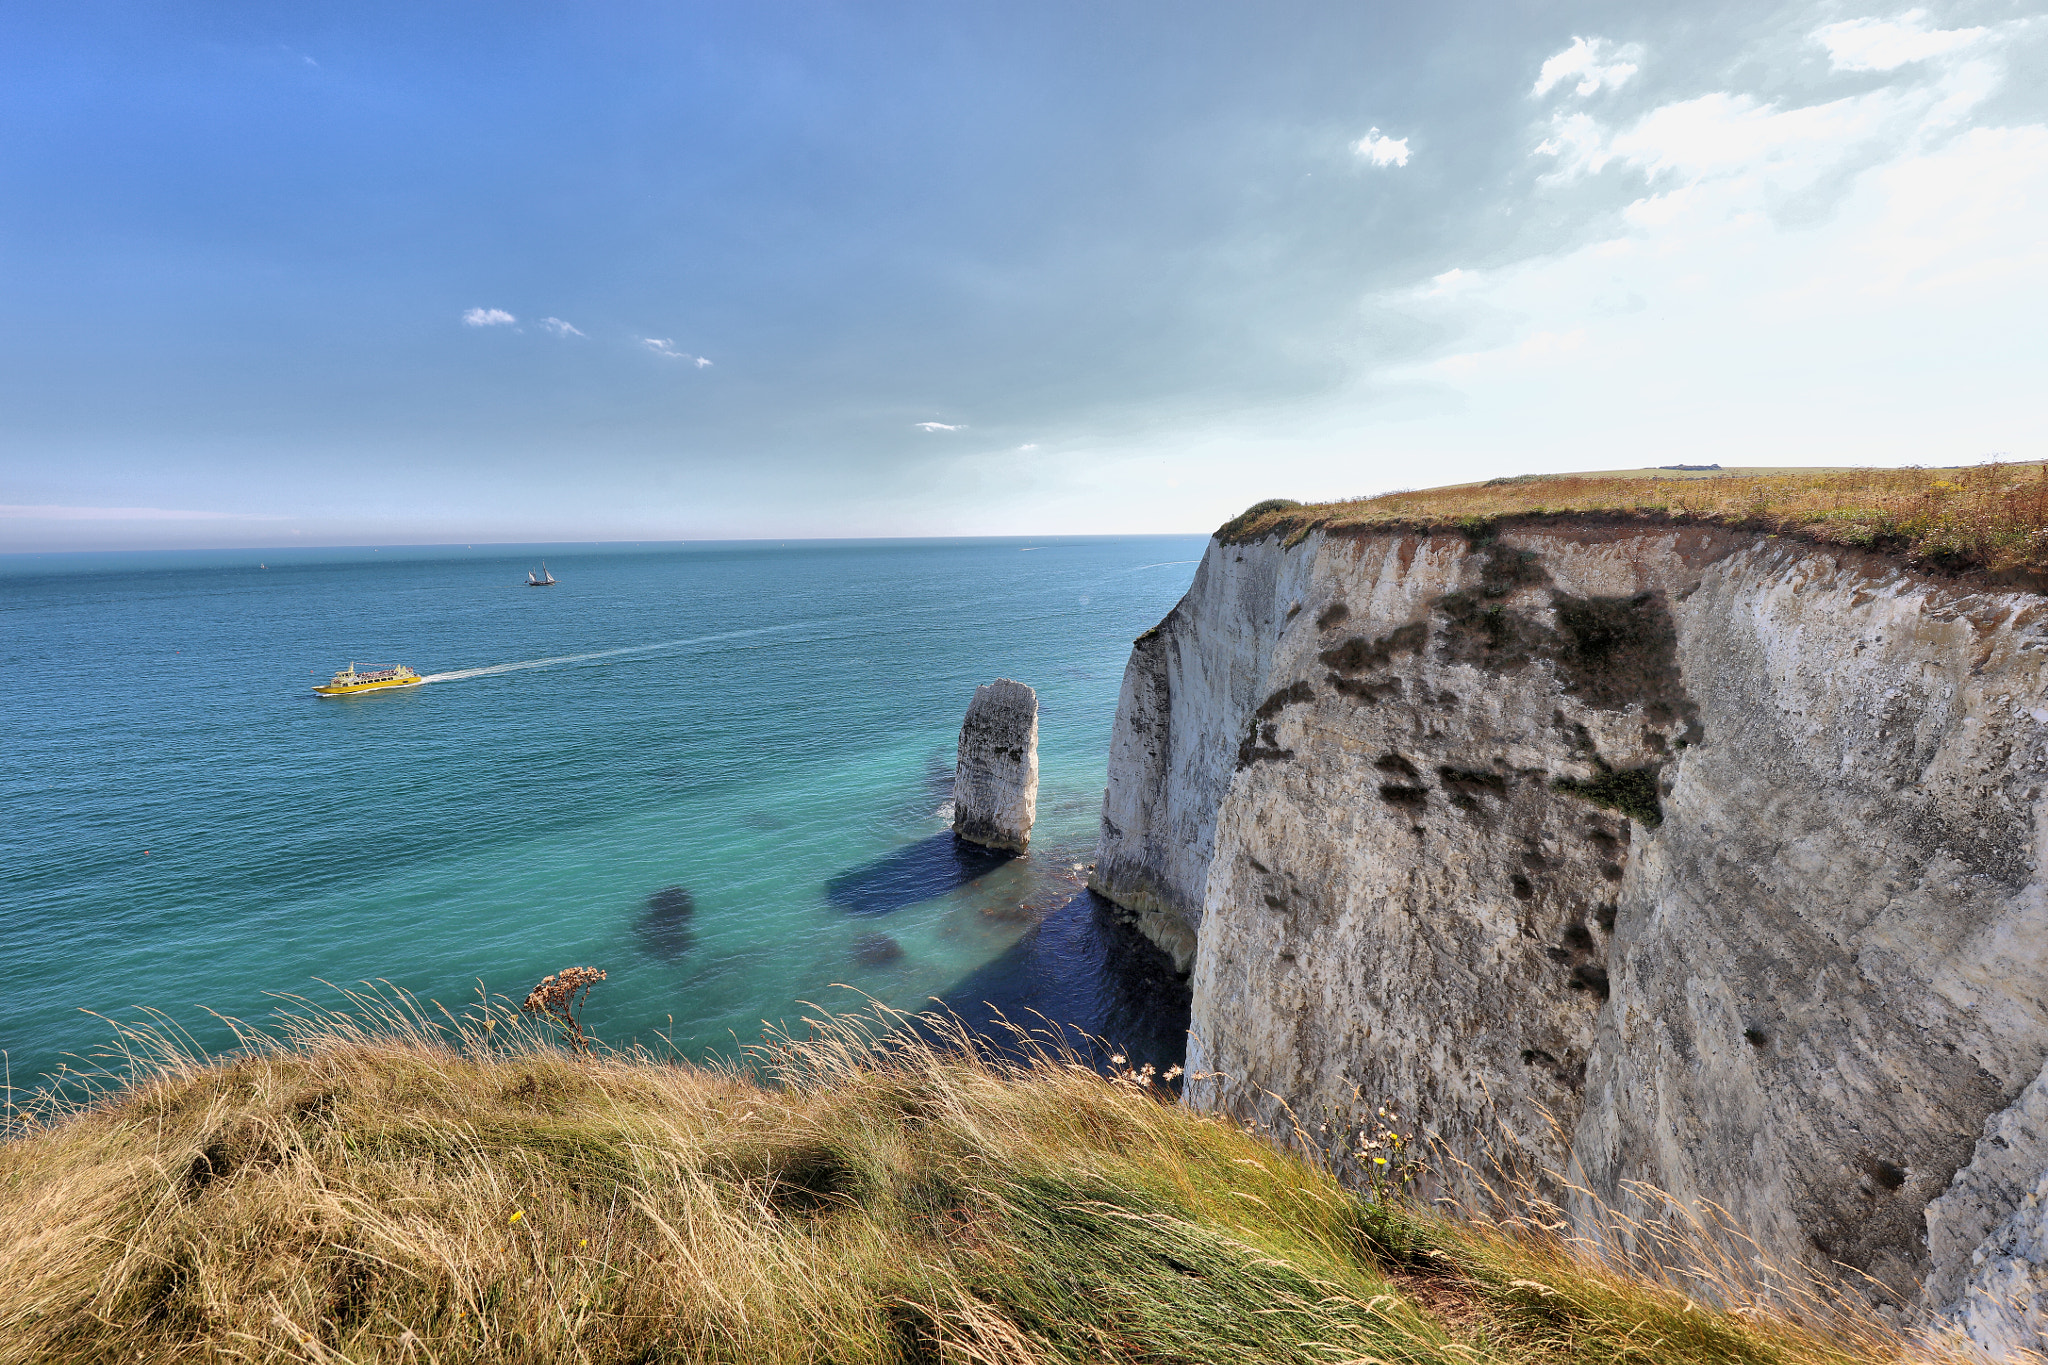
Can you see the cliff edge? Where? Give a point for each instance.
(1616, 850)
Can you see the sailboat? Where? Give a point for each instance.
(546, 579)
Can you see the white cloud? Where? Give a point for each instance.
(488, 317)
(666, 349)
(1382, 150)
(1451, 282)
(1733, 133)
(1724, 133)
(1030, 445)
(49, 513)
(560, 328)
(1959, 219)
(938, 426)
(1885, 44)
(1552, 345)
(1595, 63)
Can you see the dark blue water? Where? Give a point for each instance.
(712, 770)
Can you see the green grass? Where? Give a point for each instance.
(372, 1186)
(1990, 516)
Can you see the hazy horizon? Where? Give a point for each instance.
(202, 555)
(677, 272)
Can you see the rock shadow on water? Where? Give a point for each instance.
(918, 872)
(1100, 985)
(663, 927)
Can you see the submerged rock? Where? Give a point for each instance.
(872, 950)
(663, 927)
(995, 784)
(672, 903)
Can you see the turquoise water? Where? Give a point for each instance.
(713, 770)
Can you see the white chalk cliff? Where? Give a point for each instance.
(1634, 852)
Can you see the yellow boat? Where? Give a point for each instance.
(349, 681)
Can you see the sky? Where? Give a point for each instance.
(318, 273)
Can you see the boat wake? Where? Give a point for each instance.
(463, 674)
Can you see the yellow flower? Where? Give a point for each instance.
(1379, 1161)
(582, 1242)
(517, 1214)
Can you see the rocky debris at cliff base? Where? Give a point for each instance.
(995, 782)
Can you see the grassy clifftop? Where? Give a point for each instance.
(1991, 516)
(391, 1189)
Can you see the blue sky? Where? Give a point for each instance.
(277, 273)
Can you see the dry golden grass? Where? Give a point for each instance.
(374, 1185)
(1990, 516)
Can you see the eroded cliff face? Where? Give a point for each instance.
(1672, 855)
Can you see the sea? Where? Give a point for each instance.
(717, 771)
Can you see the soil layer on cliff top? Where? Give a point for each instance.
(1990, 516)
(380, 1185)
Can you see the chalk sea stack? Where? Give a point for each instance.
(995, 785)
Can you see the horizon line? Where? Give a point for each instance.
(540, 544)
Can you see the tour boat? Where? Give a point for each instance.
(546, 579)
(349, 681)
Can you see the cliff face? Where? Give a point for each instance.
(1673, 855)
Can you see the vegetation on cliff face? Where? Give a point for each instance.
(376, 1185)
(1989, 516)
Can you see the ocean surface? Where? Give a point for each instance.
(714, 770)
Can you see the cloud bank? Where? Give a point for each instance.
(1761, 267)
(1886, 44)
